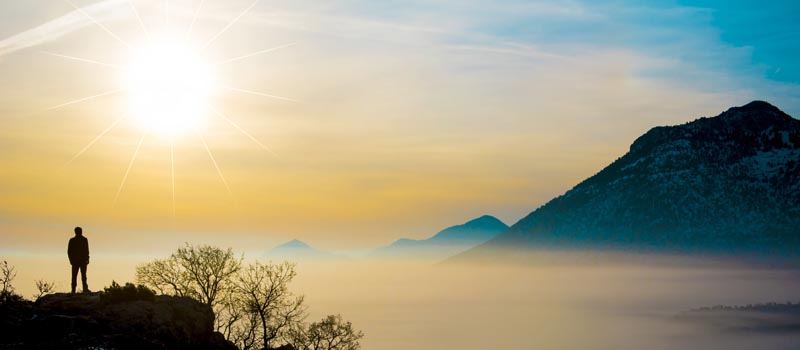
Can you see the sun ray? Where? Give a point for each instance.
(139, 18)
(98, 137)
(98, 24)
(172, 171)
(194, 17)
(85, 60)
(231, 23)
(83, 99)
(260, 94)
(256, 53)
(219, 172)
(130, 165)
(223, 116)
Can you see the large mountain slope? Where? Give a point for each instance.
(727, 184)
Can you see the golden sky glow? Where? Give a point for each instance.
(401, 126)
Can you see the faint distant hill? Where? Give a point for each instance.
(452, 240)
(768, 318)
(296, 250)
(728, 184)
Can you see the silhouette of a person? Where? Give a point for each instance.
(78, 253)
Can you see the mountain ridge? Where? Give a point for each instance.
(721, 184)
(449, 241)
(478, 229)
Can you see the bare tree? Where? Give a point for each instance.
(235, 322)
(43, 287)
(166, 276)
(241, 327)
(253, 306)
(7, 275)
(331, 333)
(202, 272)
(210, 270)
(265, 293)
(206, 274)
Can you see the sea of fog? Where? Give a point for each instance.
(569, 305)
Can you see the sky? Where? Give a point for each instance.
(396, 119)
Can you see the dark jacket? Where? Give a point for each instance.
(78, 250)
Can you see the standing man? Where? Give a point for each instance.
(78, 252)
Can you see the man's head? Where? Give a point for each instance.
(78, 231)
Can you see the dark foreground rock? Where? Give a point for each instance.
(87, 321)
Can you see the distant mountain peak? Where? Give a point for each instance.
(299, 250)
(761, 111)
(478, 229)
(758, 106)
(484, 219)
(294, 244)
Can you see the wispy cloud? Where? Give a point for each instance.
(72, 21)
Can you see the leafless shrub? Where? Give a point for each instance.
(331, 333)
(7, 275)
(43, 288)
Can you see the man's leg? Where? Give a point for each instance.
(83, 279)
(74, 277)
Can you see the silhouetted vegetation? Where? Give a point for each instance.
(263, 291)
(202, 272)
(7, 275)
(764, 318)
(43, 288)
(759, 307)
(253, 304)
(116, 293)
(330, 333)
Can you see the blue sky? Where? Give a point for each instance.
(769, 28)
(739, 43)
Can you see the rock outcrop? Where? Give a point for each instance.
(88, 321)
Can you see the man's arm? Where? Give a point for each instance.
(70, 249)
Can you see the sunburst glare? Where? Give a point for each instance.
(169, 85)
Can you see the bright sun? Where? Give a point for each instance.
(169, 86)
